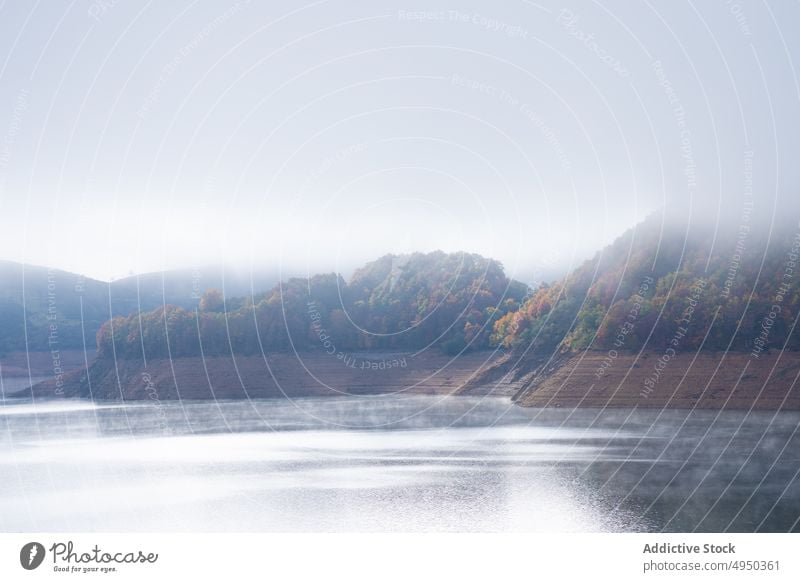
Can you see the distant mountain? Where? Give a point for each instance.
(45, 309)
(409, 302)
(184, 287)
(48, 305)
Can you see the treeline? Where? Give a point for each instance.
(448, 301)
(652, 288)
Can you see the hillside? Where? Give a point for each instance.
(278, 375)
(46, 307)
(436, 300)
(648, 320)
(419, 323)
(644, 322)
(710, 380)
(660, 287)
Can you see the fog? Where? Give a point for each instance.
(314, 137)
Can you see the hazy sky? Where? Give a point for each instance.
(136, 136)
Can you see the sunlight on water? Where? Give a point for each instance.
(456, 464)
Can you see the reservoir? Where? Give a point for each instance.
(393, 464)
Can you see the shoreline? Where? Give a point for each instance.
(706, 380)
(312, 374)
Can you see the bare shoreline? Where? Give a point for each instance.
(706, 380)
(732, 380)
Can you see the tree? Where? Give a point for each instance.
(212, 301)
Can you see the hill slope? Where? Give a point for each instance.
(650, 319)
(412, 302)
(658, 287)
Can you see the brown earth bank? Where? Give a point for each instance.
(277, 375)
(21, 364)
(732, 380)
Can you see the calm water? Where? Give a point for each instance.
(393, 464)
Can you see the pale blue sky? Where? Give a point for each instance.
(136, 136)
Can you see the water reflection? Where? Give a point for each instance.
(392, 464)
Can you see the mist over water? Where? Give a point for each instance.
(393, 464)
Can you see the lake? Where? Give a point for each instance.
(393, 463)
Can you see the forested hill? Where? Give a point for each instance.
(659, 286)
(662, 288)
(410, 302)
